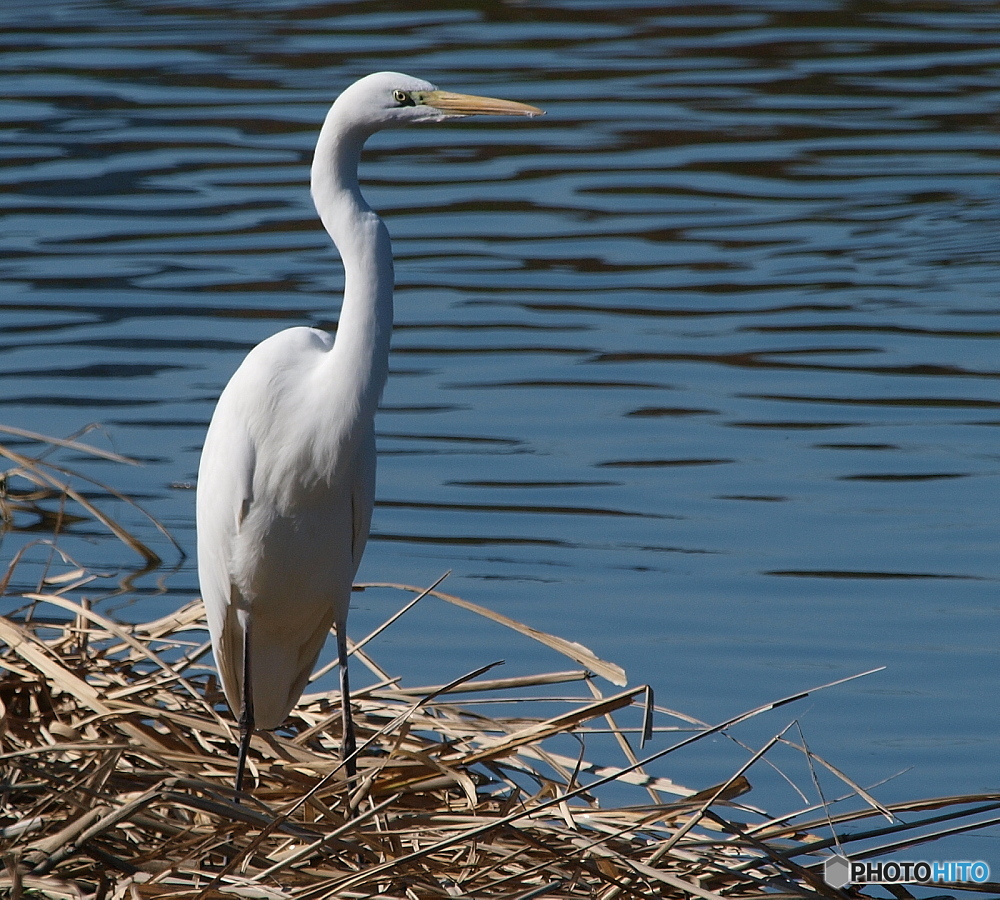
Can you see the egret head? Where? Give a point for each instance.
(387, 99)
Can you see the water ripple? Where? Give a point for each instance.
(706, 357)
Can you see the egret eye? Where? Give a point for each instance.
(402, 98)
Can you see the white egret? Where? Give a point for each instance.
(287, 476)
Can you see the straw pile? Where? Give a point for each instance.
(117, 759)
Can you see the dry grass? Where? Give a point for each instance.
(117, 767)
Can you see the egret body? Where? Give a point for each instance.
(287, 476)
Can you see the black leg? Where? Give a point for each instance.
(246, 716)
(349, 745)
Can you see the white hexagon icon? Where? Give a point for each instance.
(837, 871)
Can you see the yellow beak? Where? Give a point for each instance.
(469, 105)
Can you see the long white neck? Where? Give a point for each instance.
(361, 346)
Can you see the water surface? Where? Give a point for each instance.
(699, 370)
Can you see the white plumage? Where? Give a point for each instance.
(287, 476)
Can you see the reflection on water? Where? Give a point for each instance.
(699, 370)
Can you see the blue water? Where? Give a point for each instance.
(700, 370)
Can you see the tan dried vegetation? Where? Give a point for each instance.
(116, 766)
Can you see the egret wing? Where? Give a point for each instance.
(225, 494)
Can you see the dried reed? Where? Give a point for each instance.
(117, 768)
